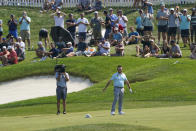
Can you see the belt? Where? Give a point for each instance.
(118, 87)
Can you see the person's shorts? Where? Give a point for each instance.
(193, 31)
(162, 28)
(148, 28)
(97, 35)
(178, 30)
(25, 34)
(43, 34)
(1, 33)
(140, 31)
(61, 93)
(14, 33)
(185, 33)
(172, 31)
(82, 35)
(133, 42)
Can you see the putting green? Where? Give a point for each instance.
(179, 118)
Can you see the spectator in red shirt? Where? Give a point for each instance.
(3, 55)
(12, 57)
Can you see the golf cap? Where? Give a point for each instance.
(69, 43)
(116, 28)
(162, 4)
(185, 10)
(4, 47)
(96, 12)
(58, 12)
(19, 37)
(171, 9)
(172, 42)
(39, 43)
(9, 48)
(17, 43)
(151, 40)
(110, 9)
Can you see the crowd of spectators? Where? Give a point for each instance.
(171, 23)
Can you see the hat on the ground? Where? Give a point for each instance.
(171, 9)
(39, 43)
(69, 43)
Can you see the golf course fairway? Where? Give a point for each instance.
(179, 118)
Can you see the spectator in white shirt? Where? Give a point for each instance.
(122, 20)
(21, 44)
(82, 24)
(59, 18)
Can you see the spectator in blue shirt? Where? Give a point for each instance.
(12, 24)
(118, 78)
(53, 51)
(185, 27)
(138, 22)
(133, 36)
(117, 36)
(113, 17)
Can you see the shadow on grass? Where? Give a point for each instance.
(105, 127)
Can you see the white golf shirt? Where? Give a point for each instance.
(82, 27)
(122, 22)
(59, 21)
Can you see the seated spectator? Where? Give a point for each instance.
(19, 52)
(43, 33)
(54, 52)
(193, 51)
(57, 4)
(133, 36)
(97, 6)
(22, 44)
(4, 43)
(83, 5)
(61, 44)
(175, 50)
(40, 50)
(103, 48)
(3, 55)
(12, 57)
(81, 47)
(154, 49)
(165, 50)
(47, 5)
(117, 36)
(68, 50)
(119, 48)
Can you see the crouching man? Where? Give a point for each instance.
(61, 91)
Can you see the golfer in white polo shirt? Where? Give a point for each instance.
(118, 78)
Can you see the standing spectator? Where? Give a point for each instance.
(147, 22)
(147, 4)
(108, 25)
(162, 17)
(19, 52)
(58, 4)
(24, 22)
(185, 27)
(1, 29)
(82, 24)
(119, 79)
(122, 19)
(175, 51)
(12, 24)
(59, 18)
(178, 13)
(96, 24)
(193, 26)
(71, 25)
(138, 22)
(113, 17)
(21, 43)
(172, 25)
(43, 33)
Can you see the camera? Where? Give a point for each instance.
(60, 68)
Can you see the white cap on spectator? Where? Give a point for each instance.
(4, 47)
(19, 37)
(9, 47)
(58, 12)
(39, 43)
(116, 28)
(151, 40)
(171, 9)
(110, 9)
(185, 10)
(17, 43)
(69, 43)
(96, 12)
